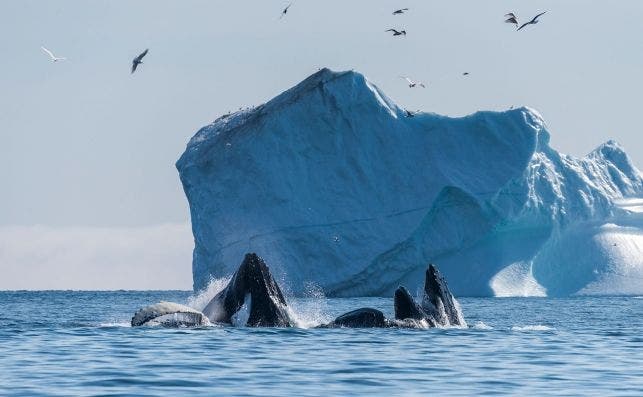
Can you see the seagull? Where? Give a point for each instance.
(511, 18)
(412, 83)
(400, 11)
(465, 73)
(409, 113)
(52, 56)
(396, 32)
(138, 60)
(285, 11)
(533, 21)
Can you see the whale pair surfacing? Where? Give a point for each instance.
(253, 293)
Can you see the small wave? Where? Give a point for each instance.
(482, 326)
(538, 327)
(124, 324)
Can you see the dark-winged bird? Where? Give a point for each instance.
(533, 21)
(397, 32)
(400, 11)
(465, 73)
(138, 60)
(511, 18)
(285, 11)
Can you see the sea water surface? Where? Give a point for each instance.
(80, 343)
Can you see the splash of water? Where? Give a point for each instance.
(482, 326)
(463, 323)
(311, 310)
(203, 297)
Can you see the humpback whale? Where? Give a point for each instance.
(253, 281)
(251, 284)
(438, 308)
(365, 317)
(254, 287)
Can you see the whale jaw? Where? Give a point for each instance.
(268, 307)
(438, 306)
(439, 301)
(437, 309)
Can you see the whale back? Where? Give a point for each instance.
(170, 314)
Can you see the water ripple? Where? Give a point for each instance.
(514, 347)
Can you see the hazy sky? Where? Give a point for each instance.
(85, 144)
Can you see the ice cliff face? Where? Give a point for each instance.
(334, 184)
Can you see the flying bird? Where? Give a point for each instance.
(397, 32)
(400, 11)
(465, 73)
(52, 56)
(285, 11)
(412, 83)
(511, 18)
(138, 60)
(533, 21)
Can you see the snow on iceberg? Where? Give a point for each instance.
(333, 183)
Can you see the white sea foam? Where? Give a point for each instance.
(481, 325)
(526, 328)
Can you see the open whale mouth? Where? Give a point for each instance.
(253, 298)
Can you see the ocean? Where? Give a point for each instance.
(70, 343)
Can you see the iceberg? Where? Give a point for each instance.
(334, 184)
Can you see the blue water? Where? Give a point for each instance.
(79, 343)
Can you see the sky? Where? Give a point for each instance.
(87, 150)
